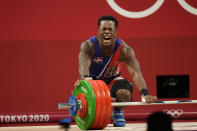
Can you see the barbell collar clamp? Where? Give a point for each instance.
(63, 106)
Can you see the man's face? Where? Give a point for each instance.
(107, 32)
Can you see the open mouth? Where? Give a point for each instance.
(107, 39)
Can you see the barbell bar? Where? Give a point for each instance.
(114, 104)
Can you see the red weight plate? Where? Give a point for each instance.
(104, 105)
(82, 112)
(108, 101)
(98, 103)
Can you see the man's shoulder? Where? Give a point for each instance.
(118, 39)
(126, 51)
(93, 39)
(126, 48)
(87, 46)
(86, 43)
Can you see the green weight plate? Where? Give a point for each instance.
(86, 89)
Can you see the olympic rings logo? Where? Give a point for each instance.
(174, 113)
(150, 10)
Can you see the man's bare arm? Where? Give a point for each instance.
(128, 56)
(85, 55)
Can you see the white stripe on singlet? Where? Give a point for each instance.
(105, 67)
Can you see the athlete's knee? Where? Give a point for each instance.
(123, 95)
(121, 87)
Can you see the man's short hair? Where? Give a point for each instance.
(108, 17)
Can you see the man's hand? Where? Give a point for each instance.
(149, 99)
(77, 83)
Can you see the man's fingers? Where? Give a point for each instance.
(77, 83)
(150, 99)
(87, 78)
(154, 98)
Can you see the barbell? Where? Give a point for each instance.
(91, 104)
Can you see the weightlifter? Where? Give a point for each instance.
(100, 58)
